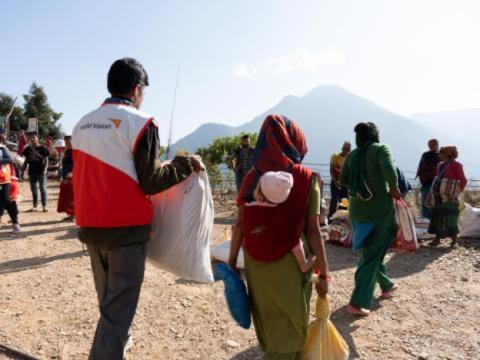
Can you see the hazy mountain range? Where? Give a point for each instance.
(328, 114)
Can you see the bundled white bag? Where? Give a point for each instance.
(222, 252)
(181, 229)
(471, 222)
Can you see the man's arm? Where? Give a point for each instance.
(152, 176)
(345, 173)
(24, 167)
(420, 166)
(332, 167)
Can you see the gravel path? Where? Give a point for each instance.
(48, 302)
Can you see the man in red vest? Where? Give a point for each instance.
(116, 166)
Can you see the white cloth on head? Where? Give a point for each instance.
(276, 186)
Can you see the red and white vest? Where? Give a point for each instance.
(106, 187)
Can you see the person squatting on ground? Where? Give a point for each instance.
(370, 175)
(443, 200)
(36, 159)
(426, 172)
(116, 156)
(279, 290)
(337, 191)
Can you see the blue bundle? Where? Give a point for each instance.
(235, 293)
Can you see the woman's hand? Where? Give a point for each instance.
(321, 285)
(232, 263)
(395, 193)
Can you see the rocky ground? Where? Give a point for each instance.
(48, 302)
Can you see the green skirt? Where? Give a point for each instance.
(280, 295)
(444, 219)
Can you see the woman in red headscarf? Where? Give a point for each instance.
(280, 292)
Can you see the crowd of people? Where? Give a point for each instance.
(34, 158)
(112, 164)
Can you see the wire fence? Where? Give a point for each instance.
(227, 182)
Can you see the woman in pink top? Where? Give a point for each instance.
(444, 202)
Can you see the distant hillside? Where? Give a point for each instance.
(328, 115)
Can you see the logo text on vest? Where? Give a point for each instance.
(96, 126)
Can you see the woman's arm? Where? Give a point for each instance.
(317, 246)
(389, 171)
(461, 177)
(237, 239)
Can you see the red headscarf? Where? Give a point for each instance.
(280, 145)
(271, 232)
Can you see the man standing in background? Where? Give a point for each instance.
(242, 160)
(337, 192)
(426, 172)
(36, 158)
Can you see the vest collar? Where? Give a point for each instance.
(114, 100)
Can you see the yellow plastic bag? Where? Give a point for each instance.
(324, 342)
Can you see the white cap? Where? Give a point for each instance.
(276, 186)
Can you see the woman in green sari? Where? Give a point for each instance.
(279, 291)
(370, 175)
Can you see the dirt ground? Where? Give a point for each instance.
(48, 303)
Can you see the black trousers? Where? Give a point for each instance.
(118, 275)
(6, 204)
(337, 193)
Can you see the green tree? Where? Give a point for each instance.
(36, 105)
(220, 148)
(18, 121)
(216, 153)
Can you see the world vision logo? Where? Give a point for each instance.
(116, 122)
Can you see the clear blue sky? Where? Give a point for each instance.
(241, 57)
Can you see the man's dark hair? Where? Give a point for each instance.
(366, 133)
(67, 137)
(124, 75)
(32, 133)
(245, 137)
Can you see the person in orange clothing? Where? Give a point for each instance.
(6, 176)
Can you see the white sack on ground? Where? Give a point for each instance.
(181, 229)
(471, 222)
(222, 252)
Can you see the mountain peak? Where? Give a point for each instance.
(329, 89)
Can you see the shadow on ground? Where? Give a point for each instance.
(253, 353)
(345, 324)
(46, 231)
(403, 265)
(71, 233)
(340, 258)
(34, 262)
(224, 221)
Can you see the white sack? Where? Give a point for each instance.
(222, 252)
(471, 222)
(181, 229)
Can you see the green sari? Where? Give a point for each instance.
(280, 295)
